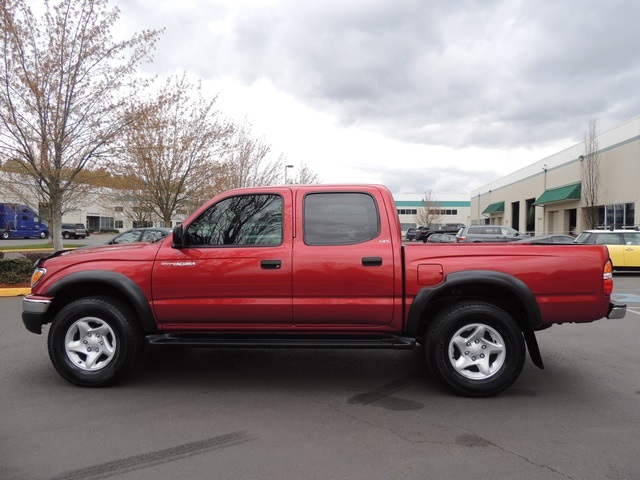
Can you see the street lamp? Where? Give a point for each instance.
(286, 167)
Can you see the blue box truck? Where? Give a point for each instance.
(20, 221)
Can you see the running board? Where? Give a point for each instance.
(239, 341)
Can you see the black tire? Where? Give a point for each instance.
(107, 326)
(475, 348)
(5, 235)
(43, 235)
(66, 235)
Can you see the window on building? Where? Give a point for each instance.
(119, 224)
(619, 215)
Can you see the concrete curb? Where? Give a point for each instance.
(14, 292)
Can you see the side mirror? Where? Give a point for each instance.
(178, 237)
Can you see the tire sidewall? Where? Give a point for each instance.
(109, 313)
(439, 338)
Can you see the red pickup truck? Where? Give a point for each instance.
(314, 266)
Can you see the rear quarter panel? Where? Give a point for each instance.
(566, 280)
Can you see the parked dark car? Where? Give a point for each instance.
(411, 234)
(423, 233)
(135, 235)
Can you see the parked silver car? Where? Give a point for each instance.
(488, 233)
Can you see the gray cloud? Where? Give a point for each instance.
(494, 74)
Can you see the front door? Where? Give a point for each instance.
(234, 268)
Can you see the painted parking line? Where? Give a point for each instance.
(626, 297)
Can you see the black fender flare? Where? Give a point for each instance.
(516, 287)
(123, 284)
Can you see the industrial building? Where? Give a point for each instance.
(546, 197)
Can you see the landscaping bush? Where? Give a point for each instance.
(1, 255)
(15, 270)
(35, 256)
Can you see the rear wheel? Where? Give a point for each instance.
(95, 341)
(475, 348)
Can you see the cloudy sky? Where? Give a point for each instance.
(417, 94)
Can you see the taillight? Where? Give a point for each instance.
(461, 239)
(607, 278)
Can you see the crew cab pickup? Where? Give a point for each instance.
(314, 266)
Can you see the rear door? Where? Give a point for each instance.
(344, 273)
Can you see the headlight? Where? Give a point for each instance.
(38, 273)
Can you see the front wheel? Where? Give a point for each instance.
(95, 341)
(43, 234)
(5, 235)
(475, 348)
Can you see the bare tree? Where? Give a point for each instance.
(247, 161)
(430, 212)
(306, 176)
(60, 80)
(590, 165)
(171, 150)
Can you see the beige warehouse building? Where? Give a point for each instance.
(545, 197)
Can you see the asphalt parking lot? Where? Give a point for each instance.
(326, 414)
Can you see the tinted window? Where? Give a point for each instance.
(632, 238)
(609, 239)
(153, 235)
(127, 237)
(340, 218)
(475, 230)
(242, 220)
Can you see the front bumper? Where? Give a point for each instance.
(34, 313)
(616, 311)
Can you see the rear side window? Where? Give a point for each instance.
(475, 231)
(245, 220)
(340, 218)
(609, 239)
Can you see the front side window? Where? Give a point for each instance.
(340, 218)
(241, 220)
(632, 238)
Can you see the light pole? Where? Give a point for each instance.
(286, 167)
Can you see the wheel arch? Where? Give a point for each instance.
(101, 282)
(502, 290)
